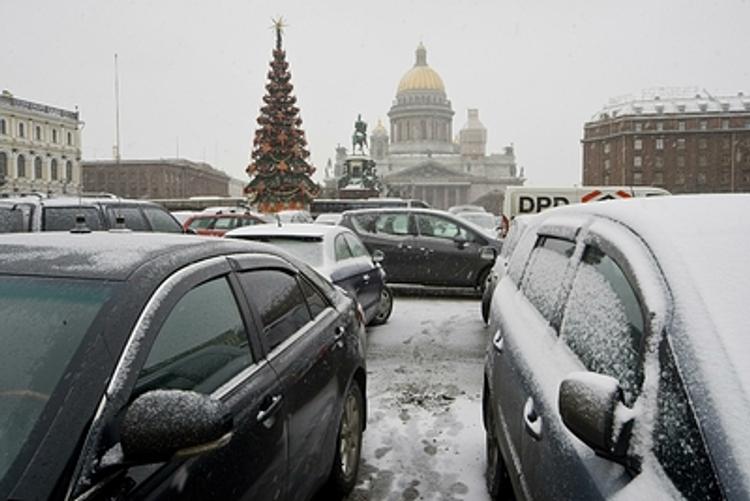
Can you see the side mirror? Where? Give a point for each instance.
(460, 241)
(190, 231)
(161, 424)
(378, 256)
(591, 406)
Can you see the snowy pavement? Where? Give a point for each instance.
(424, 437)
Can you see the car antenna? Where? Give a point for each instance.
(278, 220)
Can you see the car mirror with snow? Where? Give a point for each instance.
(161, 424)
(378, 256)
(460, 241)
(591, 406)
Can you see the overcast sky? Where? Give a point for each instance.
(193, 72)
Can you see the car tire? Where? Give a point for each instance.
(482, 281)
(496, 475)
(348, 444)
(486, 300)
(385, 307)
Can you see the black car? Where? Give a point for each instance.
(100, 213)
(424, 246)
(144, 366)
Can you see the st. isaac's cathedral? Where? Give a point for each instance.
(420, 157)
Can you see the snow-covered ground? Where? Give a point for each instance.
(424, 437)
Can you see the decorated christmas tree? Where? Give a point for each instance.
(279, 170)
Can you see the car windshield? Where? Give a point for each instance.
(308, 248)
(44, 322)
(64, 218)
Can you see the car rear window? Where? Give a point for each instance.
(306, 249)
(161, 220)
(64, 218)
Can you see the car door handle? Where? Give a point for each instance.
(404, 246)
(532, 421)
(272, 404)
(338, 337)
(366, 277)
(498, 341)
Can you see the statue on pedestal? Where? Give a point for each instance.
(359, 138)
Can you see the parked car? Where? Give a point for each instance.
(143, 366)
(617, 366)
(336, 253)
(219, 223)
(424, 246)
(59, 214)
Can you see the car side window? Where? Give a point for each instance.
(341, 248)
(543, 278)
(603, 323)
(64, 218)
(132, 217)
(280, 302)
(393, 224)
(678, 444)
(201, 223)
(224, 223)
(201, 344)
(247, 221)
(161, 221)
(365, 223)
(438, 227)
(358, 249)
(315, 300)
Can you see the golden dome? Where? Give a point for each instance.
(421, 76)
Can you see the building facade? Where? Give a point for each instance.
(40, 147)
(420, 158)
(683, 140)
(154, 179)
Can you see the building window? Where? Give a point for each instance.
(681, 125)
(658, 162)
(680, 178)
(2, 127)
(70, 139)
(606, 165)
(606, 180)
(660, 144)
(747, 123)
(659, 126)
(3, 164)
(725, 176)
(725, 143)
(725, 158)
(38, 168)
(38, 133)
(680, 161)
(21, 166)
(53, 169)
(681, 144)
(21, 130)
(701, 178)
(702, 160)
(725, 124)
(638, 126)
(704, 124)
(68, 170)
(638, 144)
(658, 178)
(637, 178)
(54, 136)
(606, 148)
(637, 162)
(702, 143)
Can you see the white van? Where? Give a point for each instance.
(533, 199)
